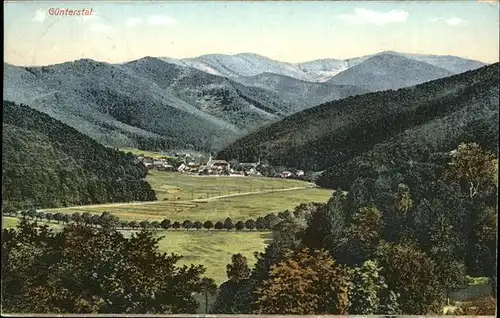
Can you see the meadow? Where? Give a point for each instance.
(255, 197)
(138, 152)
(180, 186)
(212, 249)
(239, 198)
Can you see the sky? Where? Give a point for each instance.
(287, 31)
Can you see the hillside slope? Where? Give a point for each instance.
(303, 94)
(414, 121)
(130, 104)
(388, 71)
(46, 163)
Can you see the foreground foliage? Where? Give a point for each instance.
(93, 270)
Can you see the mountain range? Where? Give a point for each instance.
(206, 102)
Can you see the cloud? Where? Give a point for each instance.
(40, 16)
(161, 20)
(365, 16)
(101, 27)
(453, 21)
(132, 22)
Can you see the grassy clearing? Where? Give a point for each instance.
(212, 249)
(136, 151)
(238, 207)
(180, 186)
(477, 280)
(8, 222)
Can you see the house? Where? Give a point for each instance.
(286, 174)
(165, 167)
(215, 167)
(299, 173)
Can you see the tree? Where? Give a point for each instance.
(66, 218)
(95, 220)
(176, 225)
(219, 225)
(270, 220)
(197, 225)
(133, 224)
(155, 225)
(234, 295)
(76, 217)
(86, 216)
(403, 201)
(145, 224)
(49, 216)
(208, 225)
(187, 224)
(307, 282)
(32, 213)
(368, 290)
(327, 226)
(108, 221)
(412, 274)
(260, 224)
(165, 224)
(364, 234)
(208, 287)
(451, 273)
(239, 225)
(40, 216)
(88, 270)
(123, 224)
(473, 167)
(250, 224)
(228, 224)
(238, 269)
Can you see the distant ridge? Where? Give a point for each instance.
(372, 129)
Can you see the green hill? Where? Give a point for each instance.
(46, 163)
(376, 130)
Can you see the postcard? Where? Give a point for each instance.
(250, 158)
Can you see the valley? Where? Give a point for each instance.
(251, 168)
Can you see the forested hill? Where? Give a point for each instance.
(46, 163)
(381, 127)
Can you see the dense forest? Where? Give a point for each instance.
(373, 130)
(46, 163)
(398, 243)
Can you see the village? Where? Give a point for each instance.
(200, 165)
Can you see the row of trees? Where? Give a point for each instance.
(108, 220)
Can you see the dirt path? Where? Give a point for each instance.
(248, 193)
(112, 205)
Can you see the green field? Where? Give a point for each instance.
(212, 249)
(181, 186)
(238, 207)
(138, 152)
(8, 222)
